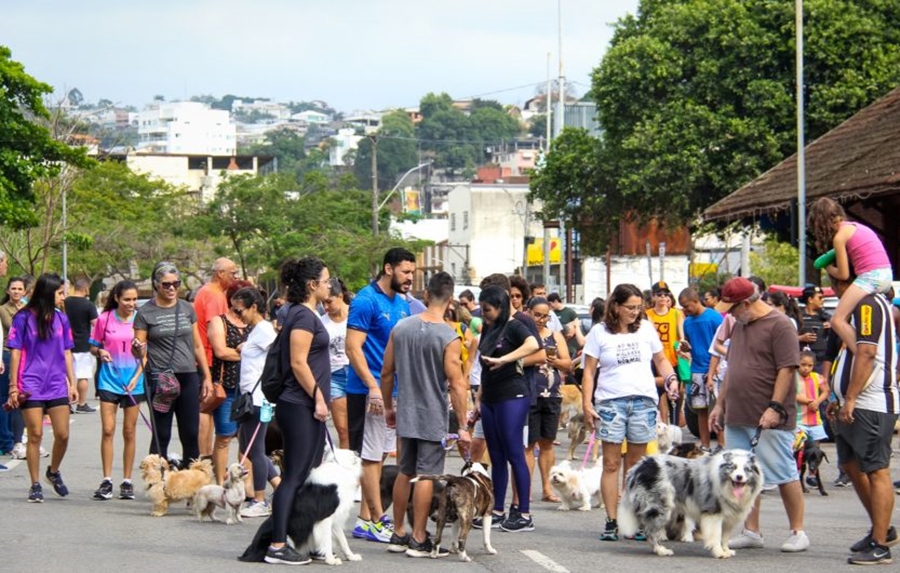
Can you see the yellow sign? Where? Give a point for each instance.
(865, 320)
(699, 270)
(412, 201)
(536, 252)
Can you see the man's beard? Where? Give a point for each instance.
(401, 287)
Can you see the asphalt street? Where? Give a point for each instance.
(76, 534)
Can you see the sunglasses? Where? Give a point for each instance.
(515, 295)
(167, 285)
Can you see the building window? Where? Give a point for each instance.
(465, 220)
(452, 221)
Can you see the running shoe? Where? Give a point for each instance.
(361, 531)
(611, 531)
(286, 555)
(105, 491)
(55, 479)
(517, 522)
(85, 409)
(36, 495)
(256, 509)
(496, 520)
(126, 490)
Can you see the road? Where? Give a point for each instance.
(77, 534)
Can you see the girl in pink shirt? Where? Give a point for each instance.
(855, 246)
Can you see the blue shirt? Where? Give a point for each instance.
(375, 313)
(700, 331)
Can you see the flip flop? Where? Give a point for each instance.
(550, 498)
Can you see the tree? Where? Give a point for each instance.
(396, 151)
(696, 97)
(28, 150)
(776, 263)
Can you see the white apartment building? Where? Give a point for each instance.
(186, 128)
(343, 142)
(488, 226)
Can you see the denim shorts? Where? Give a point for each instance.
(699, 400)
(632, 418)
(339, 383)
(876, 280)
(222, 416)
(775, 452)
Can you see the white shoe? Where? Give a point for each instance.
(797, 542)
(256, 509)
(18, 451)
(746, 540)
(44, 453)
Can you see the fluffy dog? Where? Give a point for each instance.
(165, 485)
(463, 498)
(320, 511)
(229, 496)
(578, 488)
(810, 457)
(668, 435)
(715, 491)
(578, 433)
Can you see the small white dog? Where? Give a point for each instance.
(229, 496)
(578, 488)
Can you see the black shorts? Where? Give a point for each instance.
(356, 420)
(121, 400)
(421, 457)
(867, 440)
(543, 419)
(45, 404)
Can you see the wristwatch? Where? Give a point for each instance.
(778, 408)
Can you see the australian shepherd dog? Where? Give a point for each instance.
(716, 492)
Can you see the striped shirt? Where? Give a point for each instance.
(874, 325)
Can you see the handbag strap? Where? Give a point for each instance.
(175, 336)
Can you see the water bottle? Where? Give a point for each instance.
(265, 412)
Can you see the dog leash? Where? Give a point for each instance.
(587, 452)
(754, 441)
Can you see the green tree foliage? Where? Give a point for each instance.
(28, 151)
(776, 263)
(696, 97)
(458, 139)
(396, 151)
(266, 220)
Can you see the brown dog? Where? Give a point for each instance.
(571, 403)
(464, 498)
(578, 433)
(165, 485)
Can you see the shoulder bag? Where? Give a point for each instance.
(166, 387)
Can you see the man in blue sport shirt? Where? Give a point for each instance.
(373, 313)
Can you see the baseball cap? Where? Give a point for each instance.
(810, 291)
(735, 290)
(661, 286)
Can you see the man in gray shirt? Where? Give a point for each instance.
(425, 354)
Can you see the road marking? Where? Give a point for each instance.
(544, 561)
(12, 463)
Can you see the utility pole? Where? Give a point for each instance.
(374, 139)
(801, 151)
(560, 121)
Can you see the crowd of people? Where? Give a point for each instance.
(397, 375)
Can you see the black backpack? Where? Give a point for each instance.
(272, 378)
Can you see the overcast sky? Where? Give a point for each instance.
(354, 54)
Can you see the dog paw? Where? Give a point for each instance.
(354, 557)
(490, 550)
(663, 551)
(585, 507)
(563, 508)
(719, 553)
(334, 561)
(464, 558)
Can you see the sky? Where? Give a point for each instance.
(353, 54)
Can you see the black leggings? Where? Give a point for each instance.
(186, 410)
(257, 453)
(304, 444)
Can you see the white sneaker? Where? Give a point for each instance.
(44, 453)
(18, 451)
(256, 509)
(797, 542)
(746, 540)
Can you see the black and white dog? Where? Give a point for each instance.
(715, 492)
(320, 511)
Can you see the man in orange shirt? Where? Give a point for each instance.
(209, 303)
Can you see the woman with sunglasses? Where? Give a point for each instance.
(120, 383)
(227, 333)
(619, 389)
(543, 419)
(165, 329)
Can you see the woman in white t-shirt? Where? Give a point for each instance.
(249, 304)
(619, 390)
(337, 307)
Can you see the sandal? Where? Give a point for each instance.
(551, 498)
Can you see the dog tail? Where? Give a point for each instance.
(627, 518)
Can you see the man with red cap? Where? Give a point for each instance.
(759, 391)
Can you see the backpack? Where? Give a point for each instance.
(272, 378)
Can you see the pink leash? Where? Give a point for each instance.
(250, 443)
(588, 451)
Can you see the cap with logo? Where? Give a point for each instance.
(735, 290)
(661, 286)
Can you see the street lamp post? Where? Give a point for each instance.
(376, 207)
